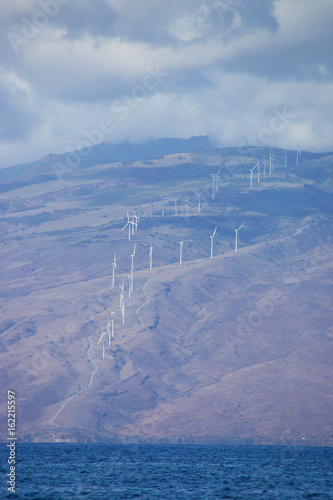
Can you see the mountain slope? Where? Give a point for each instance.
(237, 348)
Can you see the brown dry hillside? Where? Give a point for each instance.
(237, 348)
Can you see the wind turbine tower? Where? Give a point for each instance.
(123, 310)
(270, 163)
(133, 255)
(236, 238)
(102, 339)
(298, 153)
(187, 204)
(131, 276)
(213, 186)
(133, 225)
(114, 266)
(122, 295)
(162, 205)
(258, 165)
(181, 243)
(150, 256)
(251, 174)
(136, 221)
(212, 243)
(112, 324)
(132, 279)
(216, 180)
(109, 330)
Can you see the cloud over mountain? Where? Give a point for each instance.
(156, 68)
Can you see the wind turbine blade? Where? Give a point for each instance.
(214, 232)
(240, 227)
(100, 340)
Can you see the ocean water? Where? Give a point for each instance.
(97, 471)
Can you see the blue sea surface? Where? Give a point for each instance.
(98, 471)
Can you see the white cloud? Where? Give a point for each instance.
(190, 26)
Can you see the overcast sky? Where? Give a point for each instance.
(75, 72)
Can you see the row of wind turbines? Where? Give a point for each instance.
(271, 164)
(132, 221)
(183, 204)
(108, 335)
(273, 158)
(132, 225)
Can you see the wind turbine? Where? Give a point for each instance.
(176, 208)
(236, 238)
(187, 203)
(136, 221)
(102, 338)
(114, 266)
(129, 223)
(216, 180)
(176, 204)
(251, 173)
(271, 157)
(212, 243)
(132, 269)
(265, 163)
(150, 257)
(298, 152)
(181, 243)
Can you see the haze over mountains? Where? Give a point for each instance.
(237, 348)
(95, 154)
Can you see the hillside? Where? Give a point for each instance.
(237, 348)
